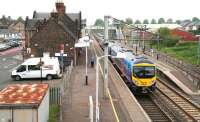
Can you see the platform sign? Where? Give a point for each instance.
(59, 54)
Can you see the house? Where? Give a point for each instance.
(11, 30)
(18, 27)
(188, 25)
(24, 103)
(154, 27)
(185, 24)
(46, 32)
(5, 22)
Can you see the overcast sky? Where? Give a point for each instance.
(121, 9)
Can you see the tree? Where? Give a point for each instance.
(20, 18)
(170, 21)
(137, 22)
(168, 39)
(3, 17)
(146, 21)
(153, 21)
(161, 20)
(164, 32)
(178, 22)
(129, 21)
(195, 19)
(99, 22)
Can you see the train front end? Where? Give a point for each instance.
(144, 77)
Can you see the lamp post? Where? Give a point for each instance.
(158, 38)
(106, 21)
(97, 86)
(119, 55)
(41, 69)
(86, 60)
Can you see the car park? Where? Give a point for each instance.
(4, 46)
(13, 43)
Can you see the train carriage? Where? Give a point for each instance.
(139, 71)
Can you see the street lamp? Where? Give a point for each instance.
(86, 40)
(119, 55)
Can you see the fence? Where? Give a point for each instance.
(64, 85)
(55, 96)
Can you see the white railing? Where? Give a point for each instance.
(91, 113)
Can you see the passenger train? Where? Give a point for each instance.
(138, 70)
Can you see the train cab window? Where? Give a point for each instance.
(149, 71)
(21, 68)
(144, 72)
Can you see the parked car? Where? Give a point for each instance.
(4, 46)
(13, 44)
(31, 69)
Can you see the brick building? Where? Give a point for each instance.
(45, 32)
(184, 35)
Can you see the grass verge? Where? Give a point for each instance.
(53, 113)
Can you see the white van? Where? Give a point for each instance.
(31, 68)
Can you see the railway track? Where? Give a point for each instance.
(178, 102)
(152, 109)
(168, 104)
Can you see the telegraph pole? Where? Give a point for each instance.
(143, 30)
(158, 39)
(106, 19)
(198, 52)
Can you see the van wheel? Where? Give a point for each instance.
(49, 77)
(17, 78)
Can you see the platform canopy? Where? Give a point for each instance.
(84, 42)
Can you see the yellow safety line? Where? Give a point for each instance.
(113, 107)
(110, 97)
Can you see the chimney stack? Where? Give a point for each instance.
(60, 7)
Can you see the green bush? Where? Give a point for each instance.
(170, 41)
(53, 113)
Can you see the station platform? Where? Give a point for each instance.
(76, 100)
(176, 75)
(127, 106)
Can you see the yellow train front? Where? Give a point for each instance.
(143, 76)
(139, 71)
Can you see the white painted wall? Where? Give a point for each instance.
(25, 115)
(19, 115)
(43, 110)
(5, 115)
